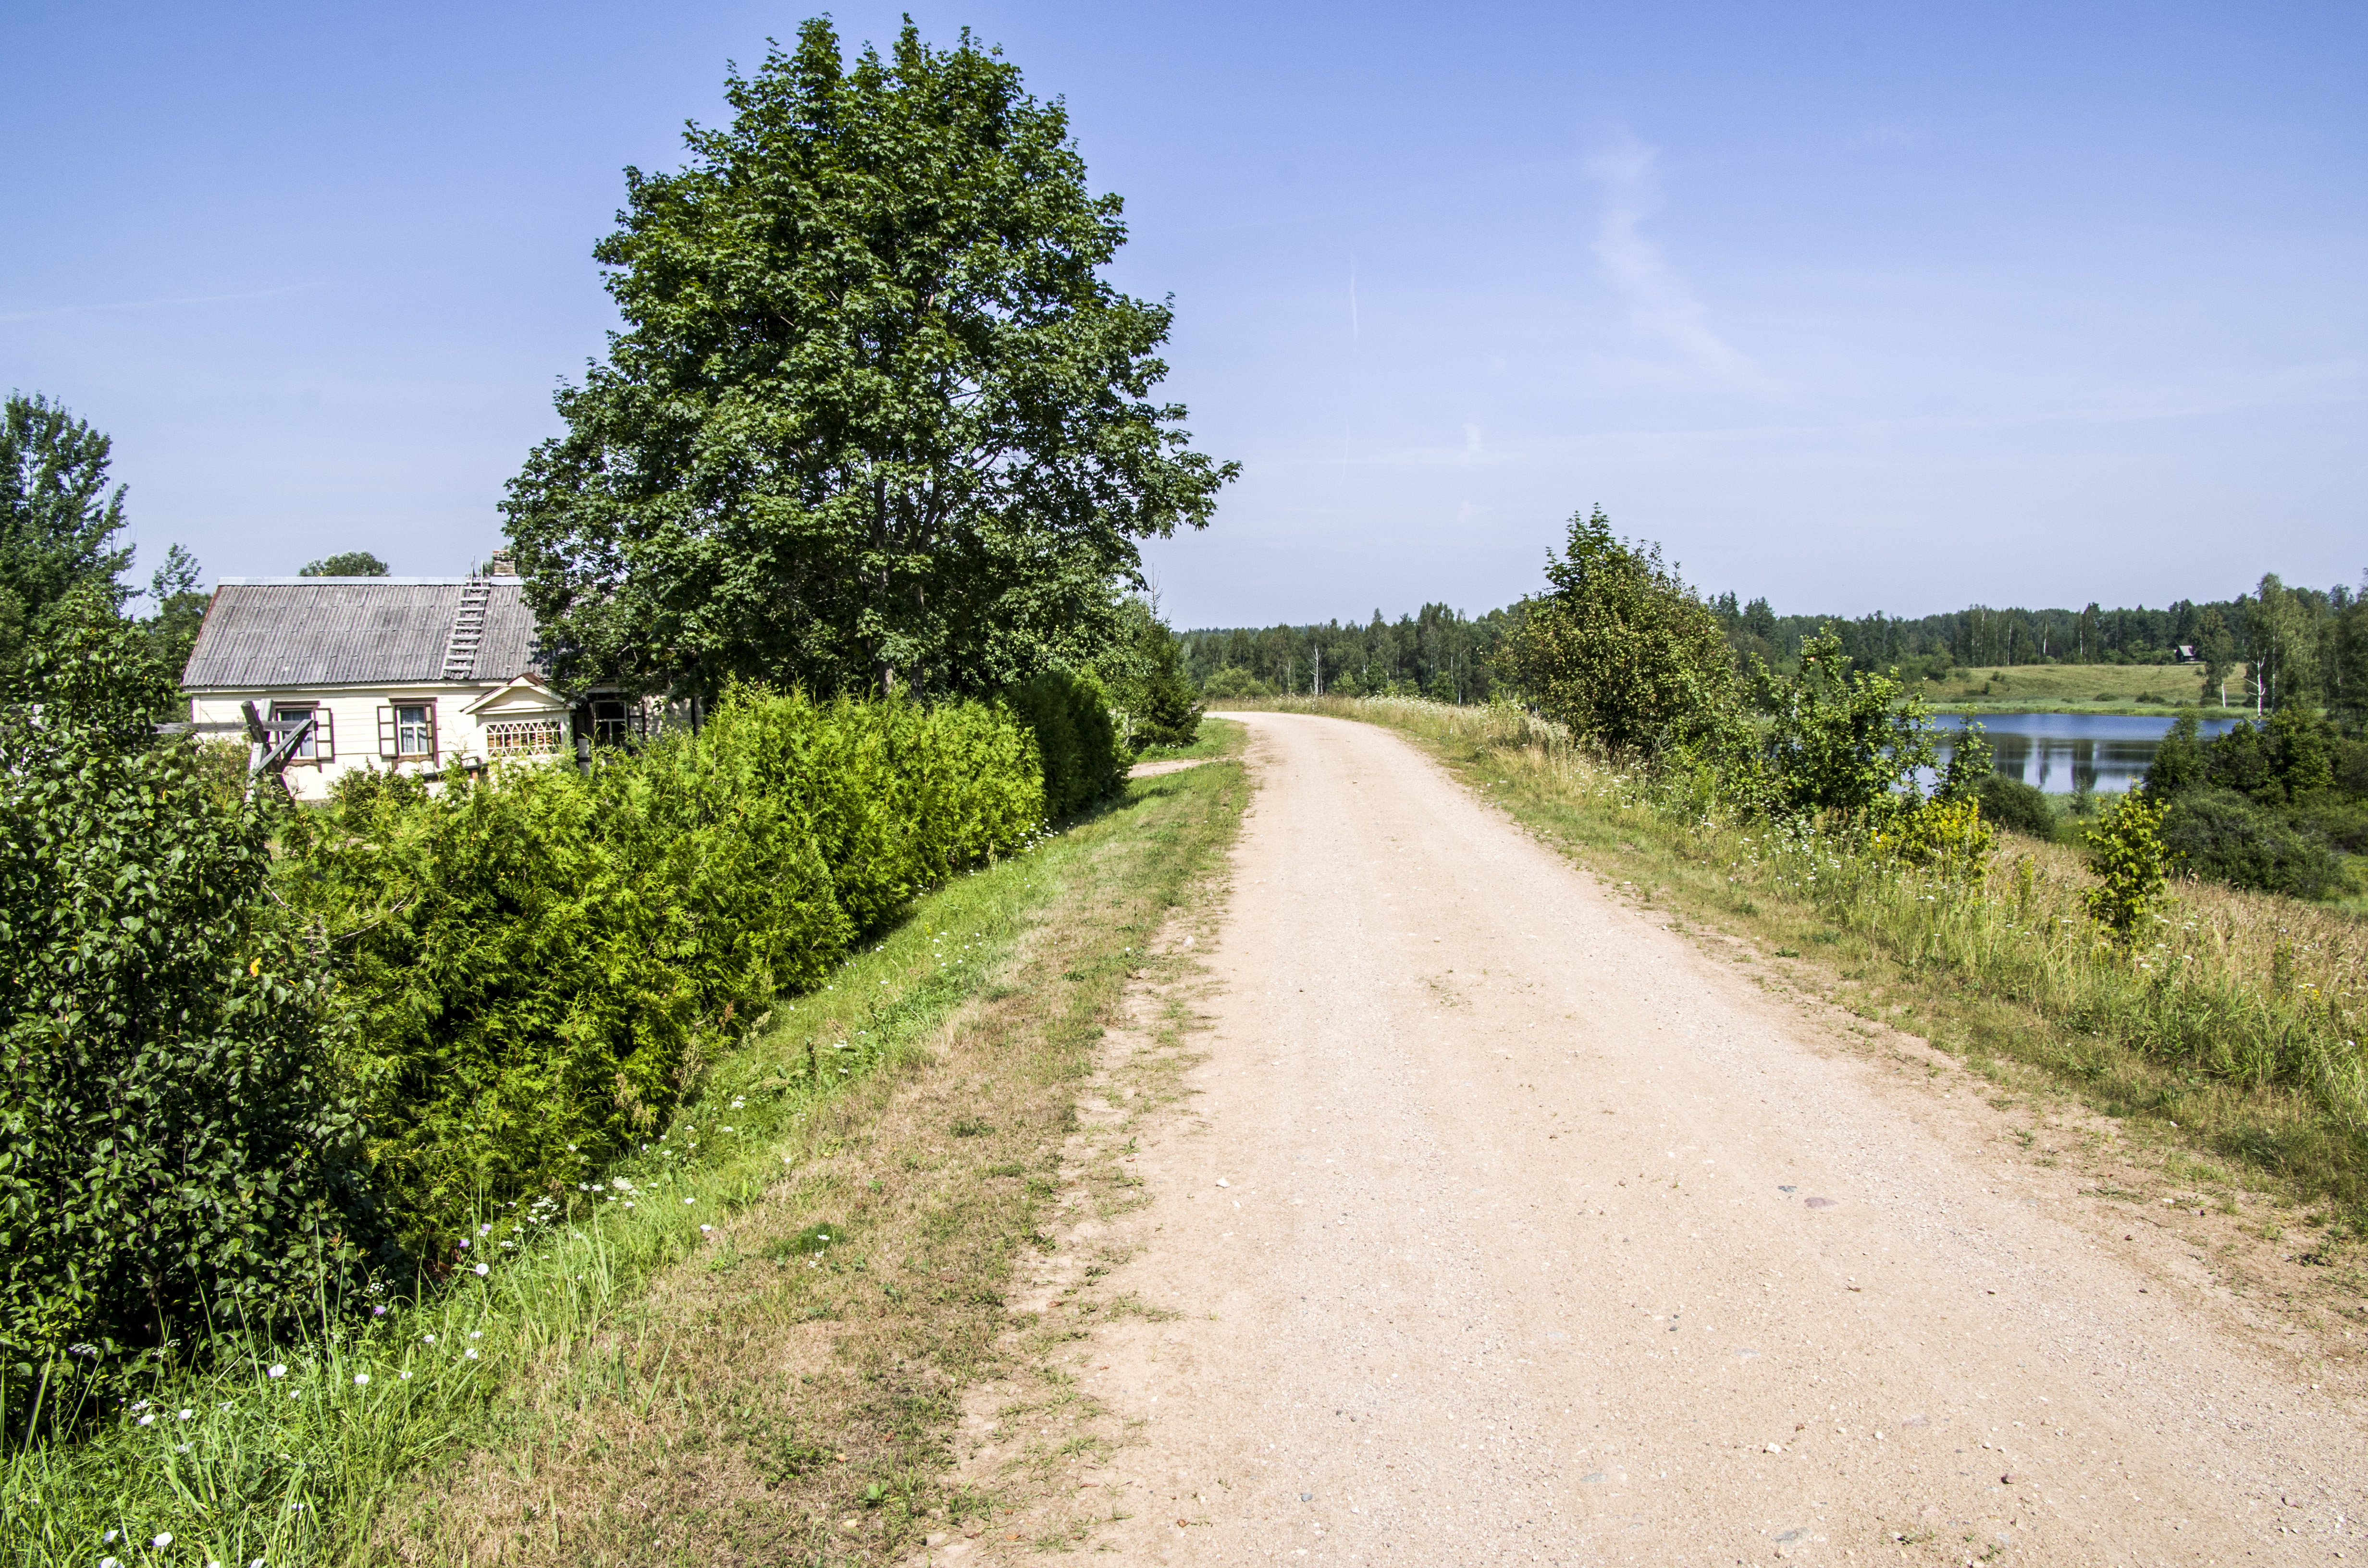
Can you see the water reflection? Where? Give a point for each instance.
(2061, 753)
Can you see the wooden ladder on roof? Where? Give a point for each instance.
(468, 631)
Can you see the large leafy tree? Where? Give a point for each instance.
(2348, 667)
(58, 521)
(2283, 632)
(875, 419)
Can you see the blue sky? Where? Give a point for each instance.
(1859, 307)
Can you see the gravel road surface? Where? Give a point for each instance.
(1508, 1227)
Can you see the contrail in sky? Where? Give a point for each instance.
(12, 316)
(1348, 429)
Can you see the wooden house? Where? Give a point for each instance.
(406, 673)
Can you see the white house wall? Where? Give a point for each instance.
(353, 721)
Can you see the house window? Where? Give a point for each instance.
(407, 732)
(414, 733)
(524, 737)
(612, 723)
(287, 716)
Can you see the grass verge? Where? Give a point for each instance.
(2235, 1022)
(1214, 740)
(751, 1337)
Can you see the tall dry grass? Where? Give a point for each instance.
(2254, 995)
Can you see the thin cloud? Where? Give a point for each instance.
(1660, 307)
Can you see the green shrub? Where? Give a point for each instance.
(1970, 762)
(2178, 761)
(175, 1153)
(1232, 684)
(1845, 741)
(2288, 757)
(2221, 836)
(2343, 823)
(1946, 835)
(2351, 769)
(1077, 745)
(542, 959)
(1144, 673)
(2011, 804)
(1622, 651)
(2126, 851)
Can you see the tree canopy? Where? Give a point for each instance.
(875, 417)
(59, 563)
(345, 563)
(1622, 650)
(58, 520)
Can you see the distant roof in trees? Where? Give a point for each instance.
(270, 633)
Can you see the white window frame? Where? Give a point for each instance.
(316, 749)
(392, 729)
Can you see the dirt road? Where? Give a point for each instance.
(1510, 1228)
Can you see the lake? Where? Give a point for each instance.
(2064, 752)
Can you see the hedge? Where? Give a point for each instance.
(179, 1153)
(542, 960)
(1075, 739)
(250, 1049)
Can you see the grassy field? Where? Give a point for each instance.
(750, 1346)
(2078, 688)
(2232, 1029)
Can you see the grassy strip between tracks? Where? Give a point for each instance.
(758, 1335)
(2235, 1025)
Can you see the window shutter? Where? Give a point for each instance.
(431, 730)
(324, 744)
(386, 733)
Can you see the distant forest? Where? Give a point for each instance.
(1442, 653)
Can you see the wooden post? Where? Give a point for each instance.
(265, 755)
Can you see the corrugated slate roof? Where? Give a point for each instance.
(267, 634)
